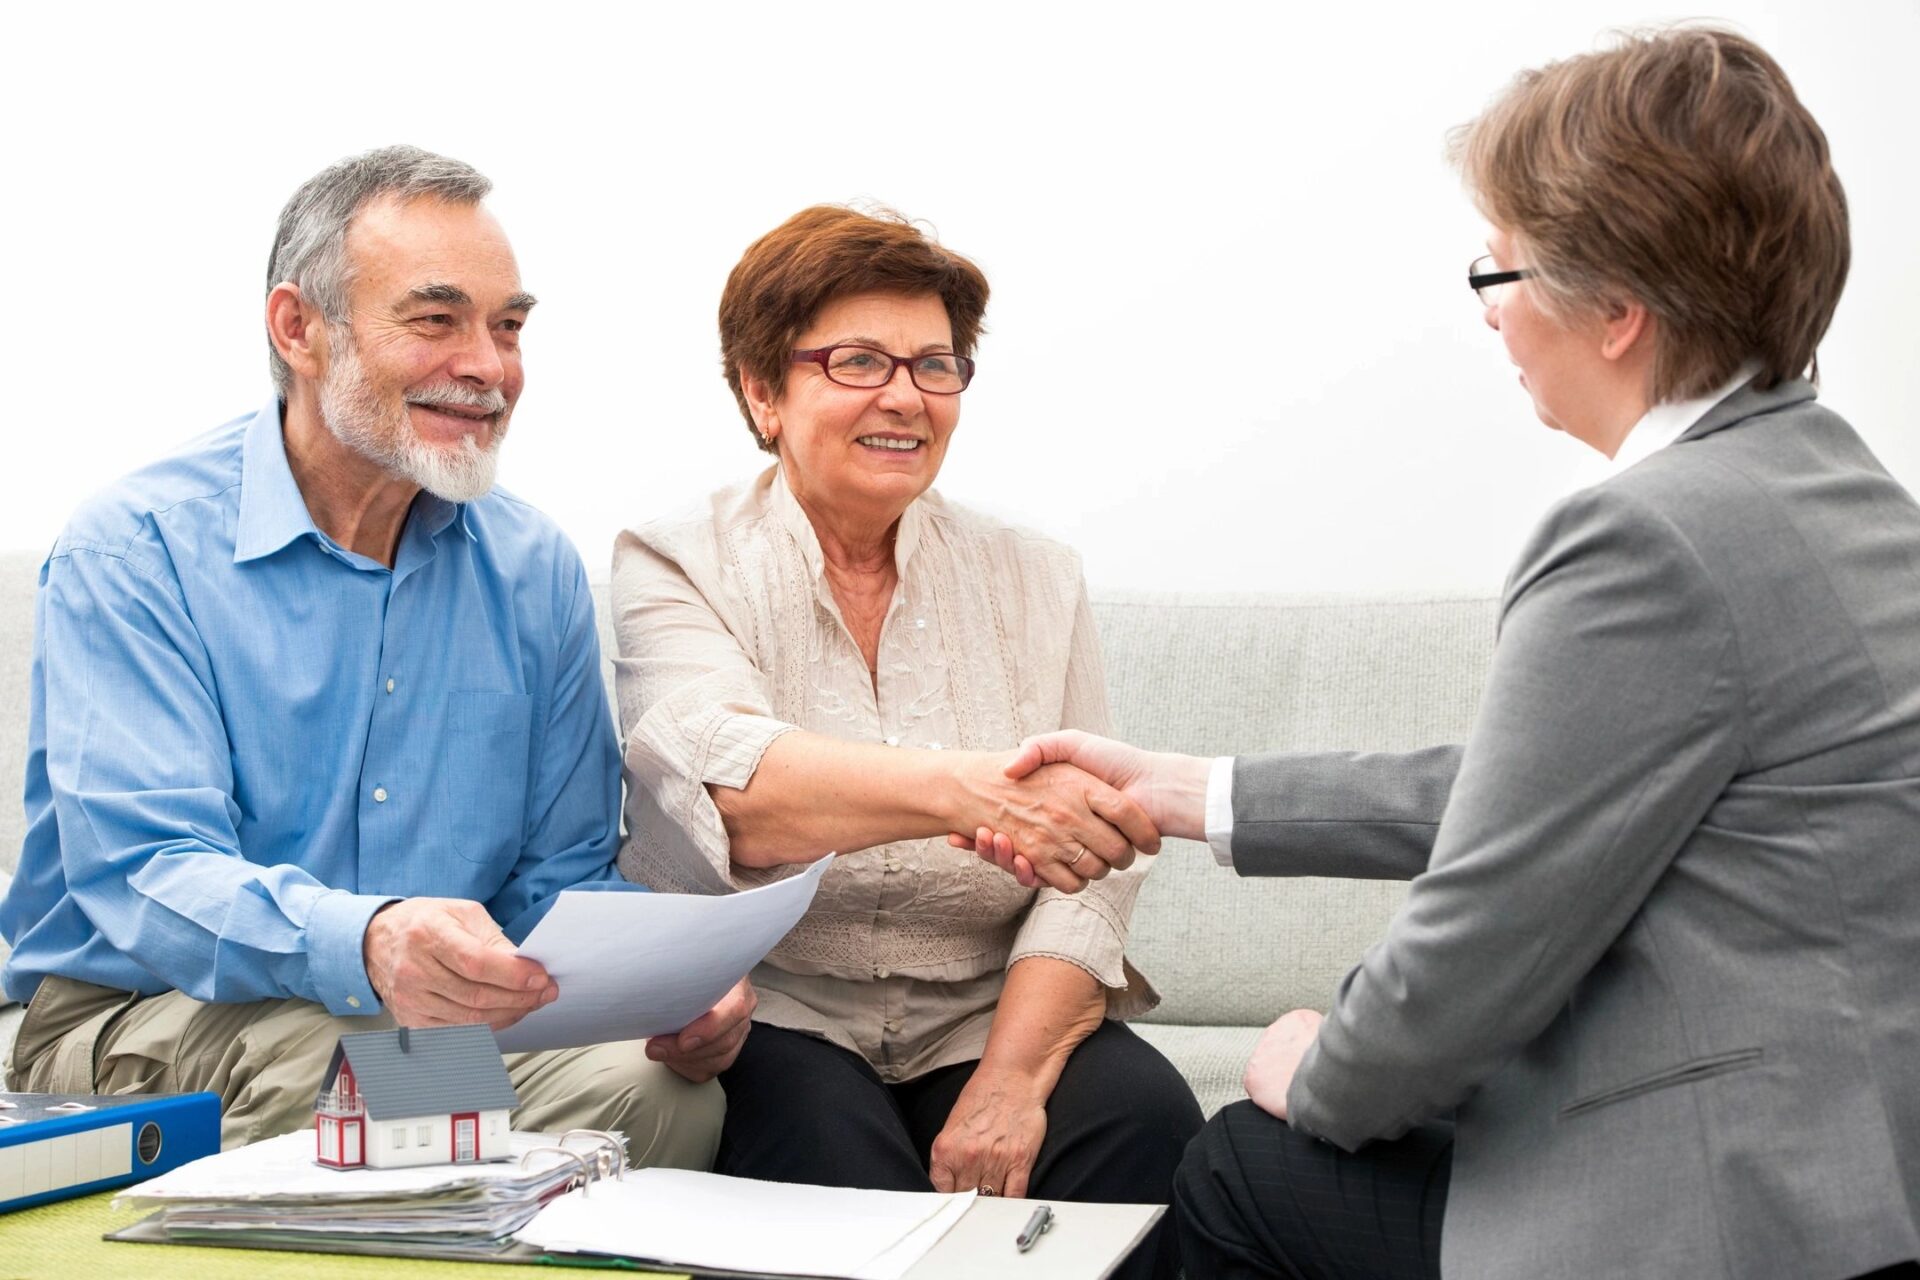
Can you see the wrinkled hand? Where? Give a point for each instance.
(992, 1136)
(1069, 827)
(1277, 1057)
(708, 1045)
(1126, 768)
(440, 961)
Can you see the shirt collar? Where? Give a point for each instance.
(273, 511)
(1665, 423)
(786, 508)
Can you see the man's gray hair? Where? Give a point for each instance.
(310, 245)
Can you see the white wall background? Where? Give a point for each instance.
(1136, 180)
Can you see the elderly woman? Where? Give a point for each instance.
(1659, 963)
(831, 656)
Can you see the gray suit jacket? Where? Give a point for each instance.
(1662, 945)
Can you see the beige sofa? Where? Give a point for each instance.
(1200, 673)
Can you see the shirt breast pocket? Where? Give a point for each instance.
(480, 788)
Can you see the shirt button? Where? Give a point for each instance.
(883, 973)
(893, 741)
(893, 864)
(379, 795)
(893, 1025)
(353, 1002)
(933, 746)
(389, 684)
(919, 624)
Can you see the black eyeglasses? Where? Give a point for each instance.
(939, 373)
(1487, 283)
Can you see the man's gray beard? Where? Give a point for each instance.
(385, 437)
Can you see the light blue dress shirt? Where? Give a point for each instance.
(245, 739)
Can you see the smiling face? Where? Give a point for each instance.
(862, 453)
(423, 379)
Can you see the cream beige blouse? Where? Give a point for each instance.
(729, 636)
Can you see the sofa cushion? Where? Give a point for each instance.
(1212, 1059)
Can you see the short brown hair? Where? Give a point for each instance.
(825, 252)
(1676, 169)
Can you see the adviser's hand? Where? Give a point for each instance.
(1276, 1059)
(708, 1045)
(440, 961)
(1071, 828)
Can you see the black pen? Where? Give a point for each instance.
(1038, 1225)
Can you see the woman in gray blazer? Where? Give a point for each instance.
(1652, 1007)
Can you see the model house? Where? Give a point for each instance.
(432, 1095)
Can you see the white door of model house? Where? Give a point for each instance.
(350, 1143)
(466, 1136)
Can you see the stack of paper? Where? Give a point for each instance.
(272, 1193)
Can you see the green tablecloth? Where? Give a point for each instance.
(62, 1241)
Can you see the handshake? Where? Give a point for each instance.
(1069, 807)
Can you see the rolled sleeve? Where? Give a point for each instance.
(1089, 929)
(698, 710)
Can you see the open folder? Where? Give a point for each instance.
(671, 1219)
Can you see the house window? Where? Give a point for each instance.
(422, 1134)
(399, 1139)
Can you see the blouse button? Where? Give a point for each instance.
(893, 1025)
(893, 740)
(893, 864)
(379, 795)
(919, 624)
(883, 973)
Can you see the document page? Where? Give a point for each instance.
(709, 1221)
(633, 965)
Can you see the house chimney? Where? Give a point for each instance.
(404, 1046)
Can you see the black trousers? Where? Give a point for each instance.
(802, 1110)
(1254, 1198)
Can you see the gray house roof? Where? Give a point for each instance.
(440, 1070)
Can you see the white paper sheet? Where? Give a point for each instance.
(633, 965)
(707, 1220)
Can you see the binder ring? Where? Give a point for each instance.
(589, 1169)
(609, 1150)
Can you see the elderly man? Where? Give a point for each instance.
(317, 720)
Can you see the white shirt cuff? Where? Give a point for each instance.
(1220, 810)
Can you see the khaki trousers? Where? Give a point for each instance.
(265, 1061)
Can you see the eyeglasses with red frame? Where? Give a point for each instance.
(938, 373)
